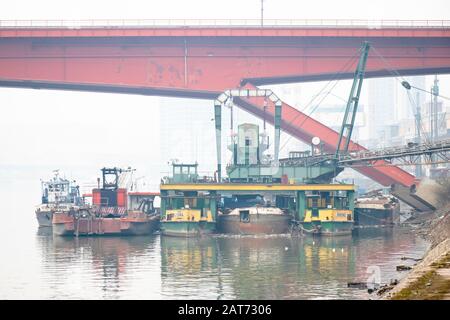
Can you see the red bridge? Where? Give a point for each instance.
(203, 58)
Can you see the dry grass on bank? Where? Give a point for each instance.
(433, 285)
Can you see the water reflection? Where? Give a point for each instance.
(96, 267)
(219, 267)
(190, 268)
(280, 267)
(286, 268)
(188, 256)
(259, 268)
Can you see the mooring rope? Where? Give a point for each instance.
(298, 227)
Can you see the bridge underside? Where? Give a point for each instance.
(201, 63)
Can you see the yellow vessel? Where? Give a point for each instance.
(187, 222)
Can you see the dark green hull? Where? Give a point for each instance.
(329, 228)
(187, 228)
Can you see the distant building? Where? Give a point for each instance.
(407, 127)
(381, 111)
(187, 133)
(442, 119)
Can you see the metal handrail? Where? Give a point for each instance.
(440, 146)
(216, 23)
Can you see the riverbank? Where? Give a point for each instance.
(430, 278)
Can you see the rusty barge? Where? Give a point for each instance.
(377, 210)
(114, 211)
(252, 214)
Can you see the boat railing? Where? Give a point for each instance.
(109, 210)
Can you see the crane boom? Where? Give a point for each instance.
(352, 103)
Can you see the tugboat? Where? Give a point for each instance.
(114, 211)
(328, 213)
(187, 213)
(250, 214)
(58, 194)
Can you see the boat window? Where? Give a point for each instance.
(344, 203)
(315, 202)
(314, 212)
(179, 215)
(244, 216)
(191, 202)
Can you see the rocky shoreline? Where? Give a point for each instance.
(430, 278)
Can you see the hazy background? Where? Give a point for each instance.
(42, 130)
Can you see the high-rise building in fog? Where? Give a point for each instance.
(382, 113)
(187, 133)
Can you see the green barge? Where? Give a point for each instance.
(328, 213)
(187, 213)
(191, 209)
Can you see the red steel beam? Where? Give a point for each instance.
(211, 63)
(201, 62)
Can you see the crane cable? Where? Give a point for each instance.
(344, 68)
(397, 75)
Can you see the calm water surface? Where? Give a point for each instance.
(34, 264)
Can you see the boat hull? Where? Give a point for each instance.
(65, 225)
(329, 228)
(256, 224)
(376, 217)
(187, 228)
(44, 218)
(336, 228)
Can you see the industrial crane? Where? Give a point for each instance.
(315, 169)
(352, 104)
(300, 167)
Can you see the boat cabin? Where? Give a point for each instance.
(189, 206)
(59, 190)
(328, 206)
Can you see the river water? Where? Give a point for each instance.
(34, 264)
